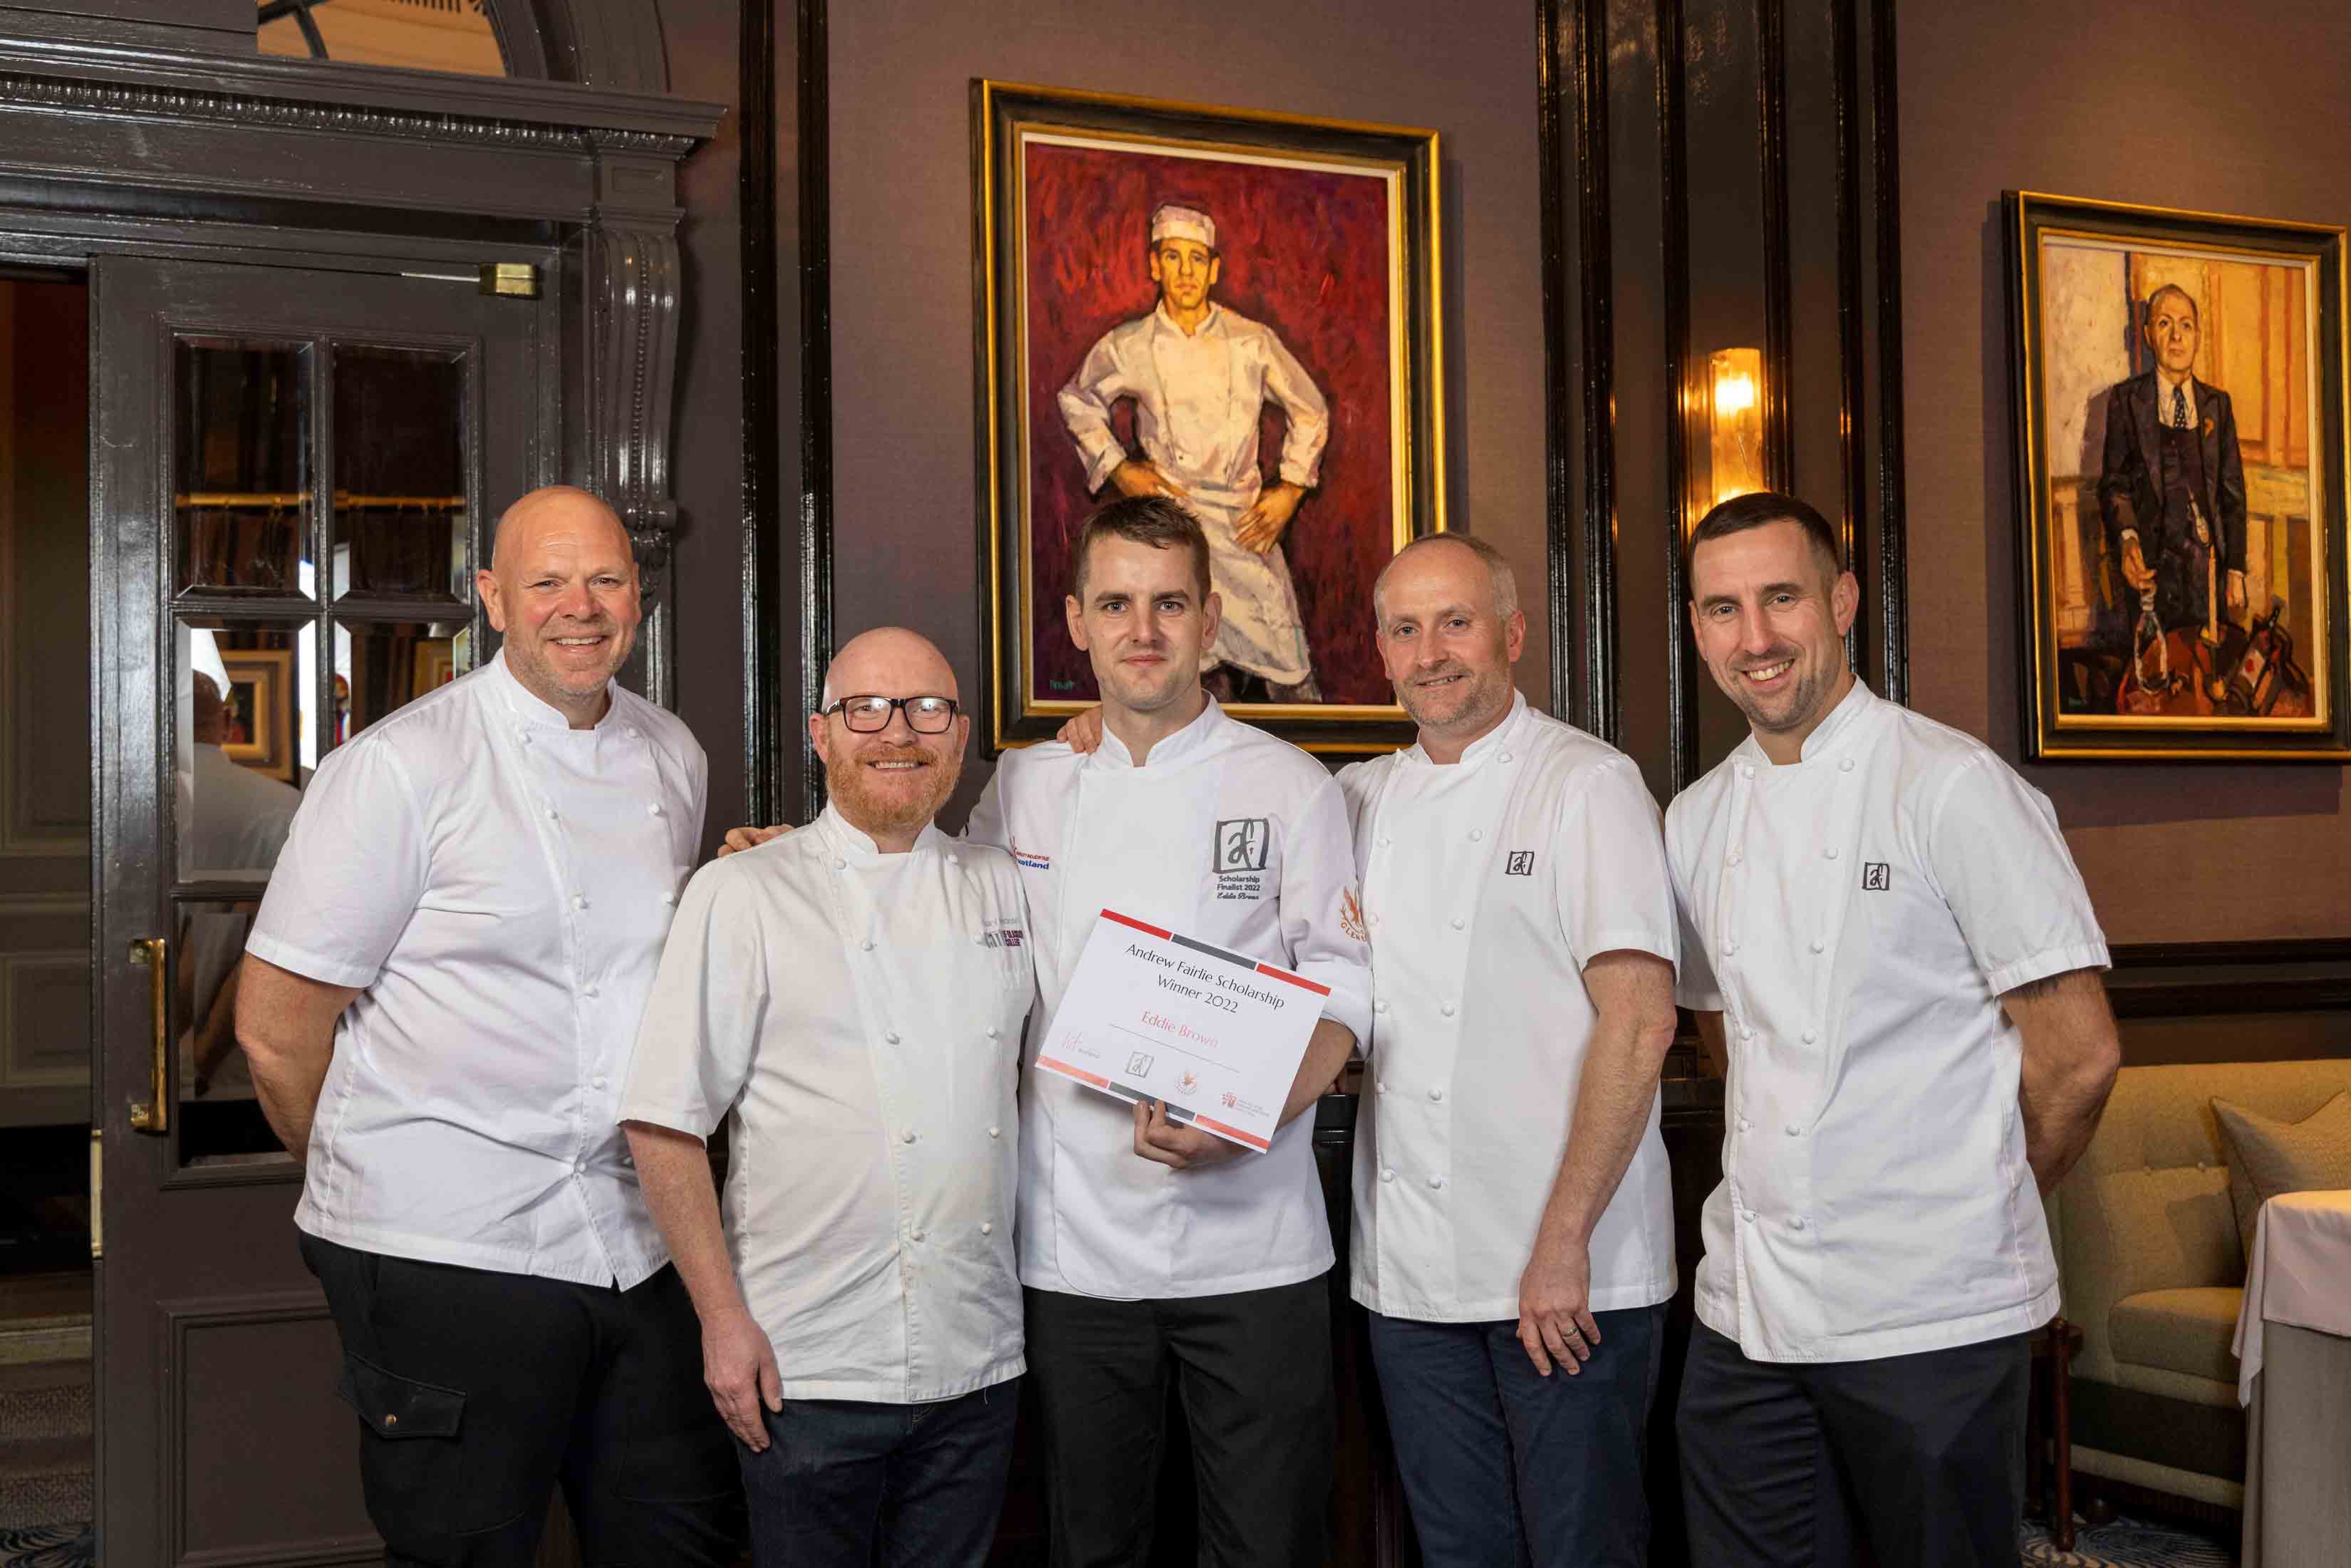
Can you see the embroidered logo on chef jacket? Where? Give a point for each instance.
(1876, 876)
(1006, 936)
(1241, 848)
(1521, 864)
(1030, 858)
(1351, 915)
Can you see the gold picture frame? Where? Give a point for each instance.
(2181, 443)
(260, 704)
(1325, 243)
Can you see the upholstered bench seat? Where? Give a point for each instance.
(2188, 1330)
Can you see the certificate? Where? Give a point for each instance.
(1213, 1035)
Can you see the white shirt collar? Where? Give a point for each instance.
(857, 847)
(527, 706)
(1190, 741)
(1835, 735)
(2163, 385)
(1486, 745)
(1214, 322)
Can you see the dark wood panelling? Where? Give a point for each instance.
(763, 693)
(1673, 143)
(816, 380)
(2209, 979)
(1893, 553)
(1779, 304)
(1581, 27)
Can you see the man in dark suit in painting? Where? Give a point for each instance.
(2172, 493)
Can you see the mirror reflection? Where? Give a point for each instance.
(241, 492)
(400, 522)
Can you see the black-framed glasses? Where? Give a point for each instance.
(868, 715)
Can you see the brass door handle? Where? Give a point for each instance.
(154, 1116)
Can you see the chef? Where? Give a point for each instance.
(1513, 1214)
(850, 1002)
(1153, 1251)
(1888, 937)
(1200, 377)
(437, 1002)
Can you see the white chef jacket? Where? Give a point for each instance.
(858, 1017)
(1228, 835)
(1489, 884)
(1198, 397)
(498, 884)
(1856, 917)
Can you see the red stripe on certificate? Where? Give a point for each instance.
(1139, 926)
(1097, 1080)
(1251, 1139)
(1293, 979)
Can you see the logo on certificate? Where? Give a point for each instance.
(1189, 1082)
(1521, 864)
(1876, 876)
(1243, 843)
(1139, 1066)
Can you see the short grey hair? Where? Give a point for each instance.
(1498, 567)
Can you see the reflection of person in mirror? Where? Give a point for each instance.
(1200, 377)
(2171, 490)
(238, 819)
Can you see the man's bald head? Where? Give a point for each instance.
(889, 662)
(562, 588)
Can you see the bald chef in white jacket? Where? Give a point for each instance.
(1513, 1210)
(1888, 937)
(1199, 376)
(849, 1000)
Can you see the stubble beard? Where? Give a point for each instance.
(1799, 706)
(869, 810)
(1482, 700)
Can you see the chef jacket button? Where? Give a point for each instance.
(598, 1081)
(588, 991)
(994, 1032)
(1797, 1223)
(1810, 1036)
(1381, 1085)
(1831, 851)
(891, 1036)
(655, 808)
(630, 731)
(840, 864)
(669, 898)
(980, 938)
(1504, 757)
(866, 946)
(1795, 1131)
(1435, 1093)
(1818, 945)
(579, 901)
(1446, 1009)
(917, 1236)
(1458, 923)
(1477, 835)
(953, 860)
(1742, 1123)
(580, 1166)
(1728, 948)
(1845, 765)
(1437, 1184)
(1747, 770)
(1733, 857)
(907, 1136)
(1748, 1216)
(1386, 1173)
(553, 815)
(1746, 1034)
(1375, 920)
(996, 1132)
(988, 1228)
(1379, 1007)
(1385, 841)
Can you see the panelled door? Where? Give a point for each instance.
(291, 474)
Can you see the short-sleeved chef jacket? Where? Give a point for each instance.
(1855, 916)
(1489, 883)
(857, 1015)
(498, 884)
(1228, 835)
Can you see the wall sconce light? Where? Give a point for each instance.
(1734, 417)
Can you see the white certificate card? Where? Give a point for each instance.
(1217, 1037)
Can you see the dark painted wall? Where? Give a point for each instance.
(901, 233)
(2093, 99)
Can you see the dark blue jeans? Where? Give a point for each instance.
(1507, 1468)
(845, 1483)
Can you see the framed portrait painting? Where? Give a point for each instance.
(260, 709)
(2181, 461)
(1239, 310)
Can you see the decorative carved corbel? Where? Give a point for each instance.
(633, 308)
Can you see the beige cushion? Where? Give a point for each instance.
(2187, 1331)
(2267, 1157)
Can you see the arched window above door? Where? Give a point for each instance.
(456, 36)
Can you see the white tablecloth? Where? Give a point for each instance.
(2300, 1273)
(2293, 1345)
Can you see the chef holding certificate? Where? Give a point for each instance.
(1154, 1250)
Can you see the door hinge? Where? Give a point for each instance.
(96, 1193)
(510, 279)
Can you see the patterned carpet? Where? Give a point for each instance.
(48, 1546)
(2132, 1543)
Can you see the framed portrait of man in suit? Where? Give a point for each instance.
(2180, 459)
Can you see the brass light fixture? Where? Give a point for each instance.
(1734, 420)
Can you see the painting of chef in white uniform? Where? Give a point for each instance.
(1200, 377)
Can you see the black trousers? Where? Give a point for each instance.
(1253, 1372)
(1789, 1463)
(477, 1392)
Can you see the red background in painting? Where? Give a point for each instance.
(1304, 252)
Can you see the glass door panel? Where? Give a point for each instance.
(241, 445)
